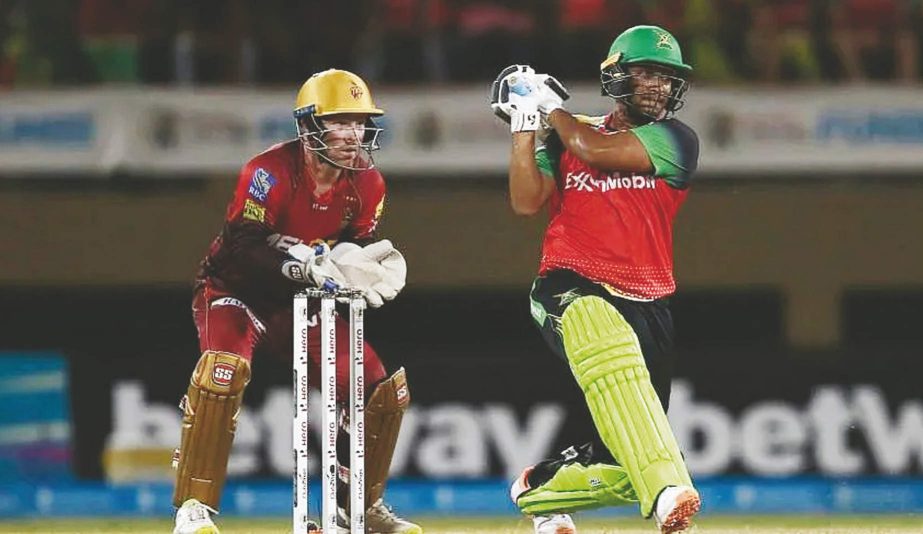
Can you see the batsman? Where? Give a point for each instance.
(292, 203)
(612, 185)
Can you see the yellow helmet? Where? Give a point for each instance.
(332, 92)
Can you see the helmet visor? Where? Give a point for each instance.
(651, 90)
(346, 140)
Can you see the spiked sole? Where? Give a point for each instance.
(687, 505)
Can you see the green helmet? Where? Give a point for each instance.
(647, 44)
(644, 45)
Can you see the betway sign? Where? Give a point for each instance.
(778, 438)
(442, 440)
(771, 437)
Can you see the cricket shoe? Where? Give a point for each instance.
(544, 524)
(554, 524)
(194, 517)
(521, 484)
(379, 519)
(675, 507)
(540, 473)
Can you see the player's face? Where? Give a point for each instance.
(651, 85)
(343, 136)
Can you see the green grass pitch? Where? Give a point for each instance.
(883, 524)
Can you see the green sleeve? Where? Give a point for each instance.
(673, 148)
(548, 156)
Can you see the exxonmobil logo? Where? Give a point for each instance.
(585, 181)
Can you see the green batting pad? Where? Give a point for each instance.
(605, 357)
(578, 487)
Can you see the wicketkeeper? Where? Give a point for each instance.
(293, 202)
(612, 185)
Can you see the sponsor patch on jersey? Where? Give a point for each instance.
(584, 181)
(227, 301)
(237, 303)
(222, 374)
(254, 211)
(379, 209)
(260, 184)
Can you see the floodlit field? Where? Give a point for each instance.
(885, 524)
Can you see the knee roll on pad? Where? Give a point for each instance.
(605, 356)
(210, 410)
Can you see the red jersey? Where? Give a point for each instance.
(274, 207)
(617, 228)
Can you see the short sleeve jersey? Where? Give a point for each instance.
(275, 207)
(617, 228)
(272, 191)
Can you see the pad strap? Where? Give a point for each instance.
(210, 410)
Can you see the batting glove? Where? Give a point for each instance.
(550, 93)
(513, 98)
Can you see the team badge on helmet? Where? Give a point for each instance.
(356, 91)
(665, 40)
(334, 92)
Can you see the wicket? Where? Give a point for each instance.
(329, 421)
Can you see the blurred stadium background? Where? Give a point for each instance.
(799, 259)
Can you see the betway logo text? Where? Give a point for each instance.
(584, 181)
(442, 440)
(778, 438)
(840, 430)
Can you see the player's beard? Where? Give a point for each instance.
(648, 106)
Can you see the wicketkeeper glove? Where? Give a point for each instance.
(377, 270)
(391, 260)
(312, 265)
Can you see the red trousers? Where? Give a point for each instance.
(227, 324)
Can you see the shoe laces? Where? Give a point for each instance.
(383, 511)
(552, 519)
(201, 512)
